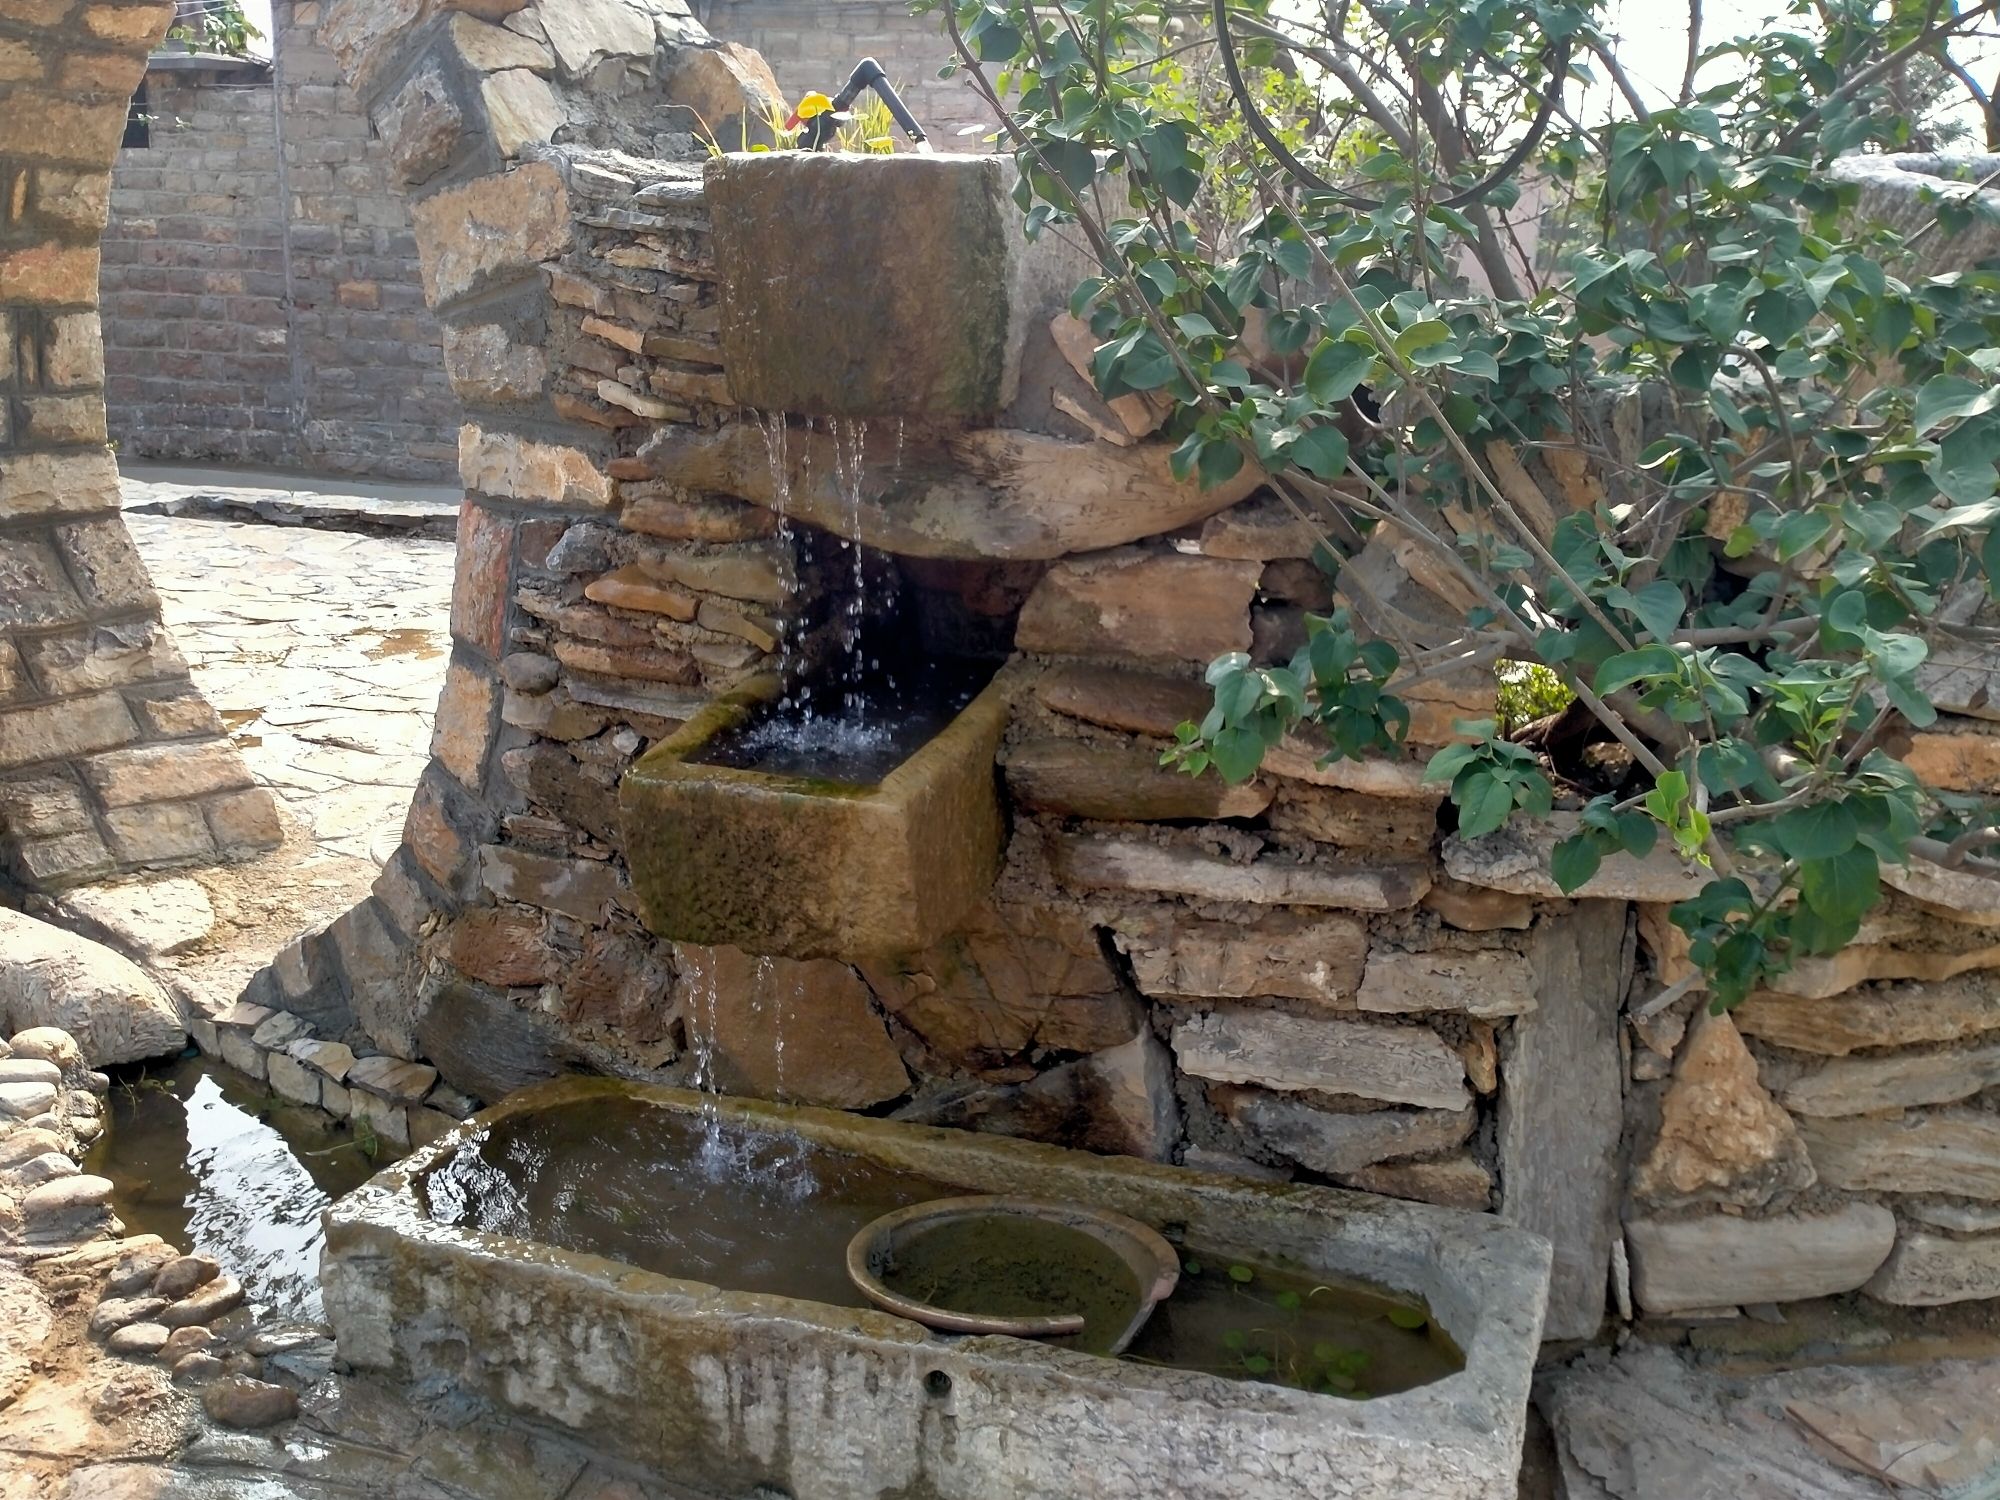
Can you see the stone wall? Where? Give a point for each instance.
(109, 758)
(814, 44)
(262, 303)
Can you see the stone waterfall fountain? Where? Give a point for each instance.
(573, 1254)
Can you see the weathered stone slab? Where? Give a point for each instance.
(1960, 1218)
(1130, 602)
(1121, 784)
(392, 1078)
(1717, 1260)
(1017, 978)
(1473, 909)
(1862, 963)
(1865, 1085)
(1459, 1181)
(1326, 815)
(799, 243)
(1961, 680)
(1963, 895)
(1722, 1138)
(1486, 983)
(1118, 698)
(1397, 1064)
(151, 917)
(580, 888)
(1956, 1152)
(1516, 859)
(1122, 864)
(1336, 1143)
(1562, 1112)
(785, 1029)
(1289, 954)
(1900, 1015)
(1930, 1270)
(518, 468)
(484, 1044)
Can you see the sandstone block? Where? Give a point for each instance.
(1868, 1085)
(490, 228)
(1516, 859)
(1482, 982)
(160, 773)
(1720, 1261)
(1931, 1270)
(1131, 702)
(1459, 1181)
(37, 806)
(1338, 1143)
(580, 888)
(785, 1028)
(241, 822)
(166, 833)
(49, 275)
(697, 518)
(105, 565)
(484, 1044)
(421, 124)
(588, 33)
(1296, 955)
(33, 589)
(632, 587)
(391, 1078)
(757, 574)
(936, 296)
(144, 919)
(488, 48)
(1396, 1064)
(1722, 1138)
(1356, 820)
(463, 731)
(1131, 864)
(1955, 1152)
(723, 83)
(521, 110)
(33, 484)
(1897, 1015)
(485, 364)
(1130, 602)
(506, 945)
(1120, 784)
(519, 468)
(103, 656)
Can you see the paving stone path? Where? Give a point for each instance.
(323, 651)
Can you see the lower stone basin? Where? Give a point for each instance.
(743, 1392)
(776, 862)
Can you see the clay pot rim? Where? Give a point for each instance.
(1141, 1247)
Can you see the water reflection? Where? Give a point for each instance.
(205, 1160)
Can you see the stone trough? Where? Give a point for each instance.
(749, 1393)
(803, 867)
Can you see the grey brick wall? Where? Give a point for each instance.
(814, 44)
(261, 302)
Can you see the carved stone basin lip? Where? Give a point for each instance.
(1155, 1267)
(799, 868)
(729, 1390)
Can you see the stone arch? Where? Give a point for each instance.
(110, 760)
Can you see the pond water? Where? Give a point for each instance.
(772, 1213)
(204, 1158)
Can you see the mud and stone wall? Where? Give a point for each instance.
(109, 759)
(261, 301)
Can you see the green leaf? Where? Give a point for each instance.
(1574, 861)
(1242, 1275)
(1949, 398)
(1821, 831)
(1484, 801)
(1321, 451)
(1337, 369)
(1238, 752)
(1841, 888)
(1424, 334)
(1659, 606)
(1801, 530)
(1195, 326)
(1411, 1318)
(1629, 667)
(1448, 762)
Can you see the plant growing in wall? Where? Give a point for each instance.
(1809, 513)
(218, 26)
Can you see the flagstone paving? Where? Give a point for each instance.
(323, 652)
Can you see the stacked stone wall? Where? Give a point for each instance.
(262, 303)
(109, 758)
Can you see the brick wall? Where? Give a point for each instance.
(814, 44)
(261, 302)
